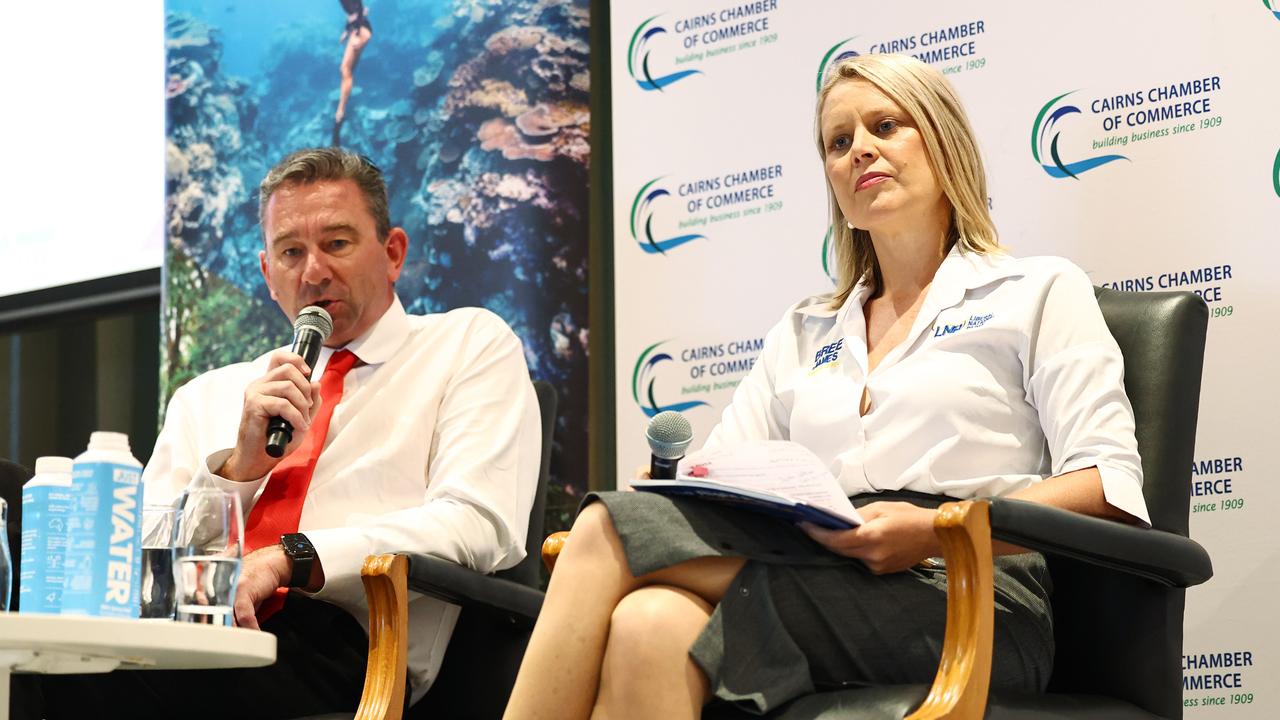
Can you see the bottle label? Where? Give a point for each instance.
(44, 548)
(104, 548)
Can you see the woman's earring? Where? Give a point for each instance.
(850, 224)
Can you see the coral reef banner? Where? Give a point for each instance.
(476, 112)
(1137, 139)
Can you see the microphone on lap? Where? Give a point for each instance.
(310, 330)
(669, 435)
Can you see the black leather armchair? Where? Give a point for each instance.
(498, 612)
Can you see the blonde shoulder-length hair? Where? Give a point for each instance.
(929, 99)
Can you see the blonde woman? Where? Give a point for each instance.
(941, 367)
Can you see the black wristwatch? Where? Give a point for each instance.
(303, 554)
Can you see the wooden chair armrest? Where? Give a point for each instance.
(959, 690)
(552, 547)
(385, 579)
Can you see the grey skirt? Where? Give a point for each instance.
(798, 618)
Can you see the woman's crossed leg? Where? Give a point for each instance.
(611, 645)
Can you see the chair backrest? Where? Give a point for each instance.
(1116, 634)
(12, 478)
(529, 572)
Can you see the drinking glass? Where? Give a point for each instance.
(159, 544)
(6, 560)
(210, 542)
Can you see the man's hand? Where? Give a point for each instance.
(261, 572)
(283, 391)
(894, 536)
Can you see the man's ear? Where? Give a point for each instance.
(266, 276)
(397, 246)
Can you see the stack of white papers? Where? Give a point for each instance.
(776, 477)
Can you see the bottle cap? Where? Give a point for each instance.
(53, 465)
(104, 440)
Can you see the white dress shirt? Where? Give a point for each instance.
(1007, 376)
(433, 449)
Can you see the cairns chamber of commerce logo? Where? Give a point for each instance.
(829, 256)
(643, 378)
(1275, 174)
(1044, 142)
(638, 55)
(834, 56)
(951, 48)
(643, 208)
(1273, 6)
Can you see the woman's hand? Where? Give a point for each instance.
(642, 473)
(894, 536)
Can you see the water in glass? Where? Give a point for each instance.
(158, 593)
(208, 585)
(159, 538)
(208, 556)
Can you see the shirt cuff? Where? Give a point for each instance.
(1123, 492)
(246, 490)
(341, 553)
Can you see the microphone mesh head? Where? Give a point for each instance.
(669, 435)
(314, 316)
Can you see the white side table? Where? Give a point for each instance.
(59, 644)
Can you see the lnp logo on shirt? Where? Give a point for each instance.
(944, 329)
(828, 354)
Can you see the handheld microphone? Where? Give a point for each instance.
(669, 435)
(310, 330)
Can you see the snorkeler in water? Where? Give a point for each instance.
(356, 35)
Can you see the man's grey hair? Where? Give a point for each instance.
(329, 163)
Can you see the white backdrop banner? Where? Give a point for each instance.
(1137, 139)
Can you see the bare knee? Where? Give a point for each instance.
(655, 622)
(647, 670)
(593, 533)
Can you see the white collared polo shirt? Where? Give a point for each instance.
(1007, 376)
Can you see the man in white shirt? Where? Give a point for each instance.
(432, 448)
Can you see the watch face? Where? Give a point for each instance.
(302, 553)
(297, 545)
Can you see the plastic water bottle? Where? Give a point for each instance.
(46, 500)
(104, 530)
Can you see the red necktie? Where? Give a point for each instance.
(279, 507)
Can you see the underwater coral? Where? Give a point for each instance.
(477, 113)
